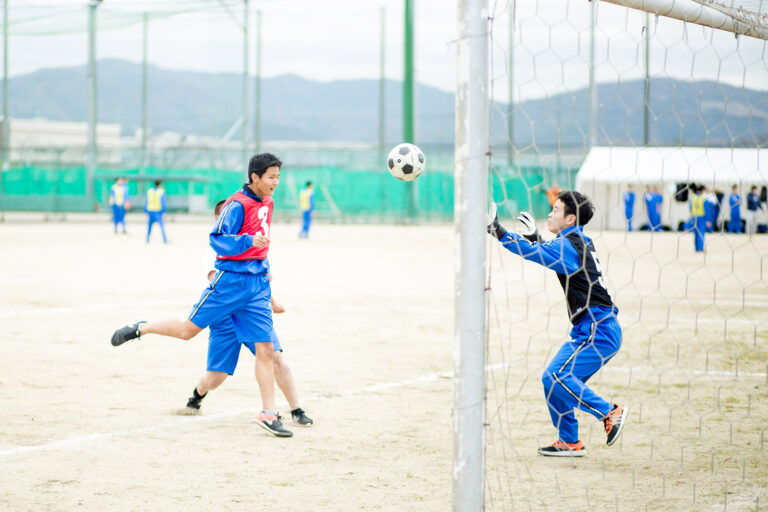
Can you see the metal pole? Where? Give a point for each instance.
(144, 93)
(647, 99)
(408, 132)
(471, 196)
(6, 121)
(408, 73)
(92, 105)
(246, 108)
(511, 105)
(257, 99)
(592, 88)
(382, 85)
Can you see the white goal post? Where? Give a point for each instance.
(739, 20)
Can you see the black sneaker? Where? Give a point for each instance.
(614, 423)
(192, 408)
(563, 449)
(127, 333)
(301, 418)
(272, 424)
(193, 405)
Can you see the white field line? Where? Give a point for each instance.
(74, 443)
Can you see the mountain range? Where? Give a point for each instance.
(295, 108)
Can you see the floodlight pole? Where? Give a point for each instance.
(92, 105)
(246, 113)
(144, 93)
(382, 85)
(592, 86)
(408, 85)
(647, 99)
(6, 123)
(257, 98)
(470, 202)
(511, 105)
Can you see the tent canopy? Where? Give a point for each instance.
(724, 166)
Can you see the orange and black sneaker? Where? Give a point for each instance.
(614, 422)
(562, 449)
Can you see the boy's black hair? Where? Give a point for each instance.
(260, 163)
(576, 203)
(308, 183)
(158, 183)
(217, 208)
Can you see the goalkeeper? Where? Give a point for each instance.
(595, 336)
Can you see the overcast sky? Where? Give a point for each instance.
(340, 39)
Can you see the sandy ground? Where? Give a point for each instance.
(369, 336)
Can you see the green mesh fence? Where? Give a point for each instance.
(341, 195)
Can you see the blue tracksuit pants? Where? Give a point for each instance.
(592, 344)
(734, 225)
(699, 229)
(156, 217)
(306, 222)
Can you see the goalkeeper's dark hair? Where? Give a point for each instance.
(217, 208)
(576, 203)
(260, 163)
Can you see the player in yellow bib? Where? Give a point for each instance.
(155, 208)
(307, 205)
(698, 219)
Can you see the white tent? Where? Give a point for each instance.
(607, 171)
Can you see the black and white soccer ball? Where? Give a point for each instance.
(406, 162)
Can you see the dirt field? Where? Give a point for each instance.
(369, 336)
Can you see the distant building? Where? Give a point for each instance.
(42, 141)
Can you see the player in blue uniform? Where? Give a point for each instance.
(155, 208)
(710, 209)
(595, 335)
(734, 201)
(240, 289)
(224, 351)
(629, 206)
(653, 202)
(307, 205)
(120, 201)
(753, 205)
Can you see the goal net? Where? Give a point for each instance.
(600, 97)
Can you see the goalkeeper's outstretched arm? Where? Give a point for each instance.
(555, 254)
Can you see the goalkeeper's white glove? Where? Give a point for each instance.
(494, 228)
(530, 232)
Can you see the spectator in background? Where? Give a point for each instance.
(753, 204)
(710, 209)
(155, 208)
(734, 201)
(698, 218)
(552, 193)
(307, 205)
(719, 195)
(120, 202)
(653, 202)
(629, 206)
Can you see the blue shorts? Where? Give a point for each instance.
(245, 298)
(224, 347)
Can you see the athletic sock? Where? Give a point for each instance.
(197, 395)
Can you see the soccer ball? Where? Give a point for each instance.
(406, 162)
